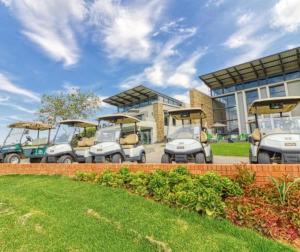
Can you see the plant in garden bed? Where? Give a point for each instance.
(202, 193)
(262, 209)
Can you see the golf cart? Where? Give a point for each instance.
(118, 142)
(187, 140)
(275, 139)
(71, 142)
(25, 140)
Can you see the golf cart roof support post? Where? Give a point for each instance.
(38, 134)
(8, 135)
(23, 133)
(256, 121)
(49, 133)
(280, 114)
(56, 132)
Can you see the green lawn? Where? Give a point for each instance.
(40, 213)
(240, 149)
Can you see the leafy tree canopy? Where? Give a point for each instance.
(68, 105)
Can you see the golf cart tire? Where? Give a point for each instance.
(263, 158)
(165, 159)
(35, 160)
(64, 159)
(10, 157)
(116, 158)
(200, 158)
(142, 159)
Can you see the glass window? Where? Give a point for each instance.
(275, 79)
(291, 76)
(251, 96)
(166, 118)
(277, 91)
(217, 91)
(224, 109)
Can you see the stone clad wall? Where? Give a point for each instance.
(158, 114)
(199, 99)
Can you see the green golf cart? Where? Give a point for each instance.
(25, 140)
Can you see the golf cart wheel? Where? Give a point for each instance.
(35, 160)
(116, 159)
(66, 159)
(200, 158)
(12, 158)
(263, 158)
(143, 158)
(165, 159)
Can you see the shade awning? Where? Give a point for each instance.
(119, 119)
(79, 123)
(273, 65)
(187, 113)
(136, 94)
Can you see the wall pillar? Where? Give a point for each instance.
(158, 114)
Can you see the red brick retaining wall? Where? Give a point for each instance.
(263, 172)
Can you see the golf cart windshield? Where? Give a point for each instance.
(279, 125)
(191, 131)
(14, 137)
(65, 134)
(107, 135)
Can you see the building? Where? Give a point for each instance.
(150, 107)
(234, 88)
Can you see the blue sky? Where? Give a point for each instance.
(106, 46)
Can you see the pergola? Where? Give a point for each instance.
(273, 65)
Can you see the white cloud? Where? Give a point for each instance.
(250, 37)
(17, 107)
(292, 46)
(7, 86)
(126, 30)
(216, 3)
(169, 68)
(4, 98)
(286, 14)
(184, 97)
(50, 25)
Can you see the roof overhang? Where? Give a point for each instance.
(276, 64)
(31, 125)
(119, 119)
(135, 94)
(274, 105)
(79, 123)
(187, 113)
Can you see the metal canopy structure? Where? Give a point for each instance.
(276, 64)
(135, 94)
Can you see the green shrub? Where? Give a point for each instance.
(204, 194)
(245, 177)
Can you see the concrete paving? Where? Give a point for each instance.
(155, 151)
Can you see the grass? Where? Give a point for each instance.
(240, 149)
(43, 213)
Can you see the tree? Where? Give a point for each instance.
(71, 105)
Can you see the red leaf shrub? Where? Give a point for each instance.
(259, 208)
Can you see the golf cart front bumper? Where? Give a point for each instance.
(182, 156)
(291, 157)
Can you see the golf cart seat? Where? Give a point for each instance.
(36, 142)
(256, 135)
(129, 141)
(86, 142)
(203, 137)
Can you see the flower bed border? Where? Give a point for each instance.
(263, 172)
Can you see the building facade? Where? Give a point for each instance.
(150, 106)
(233, 89)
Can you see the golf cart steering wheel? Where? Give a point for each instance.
(29, 139)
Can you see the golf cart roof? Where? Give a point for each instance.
(79, 123)
(119, 118)
(274, 105)
(31, 125)
(187, 113)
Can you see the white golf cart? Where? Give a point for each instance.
(71, 143)
(275, 139)
(187, 139)
(117, 142)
